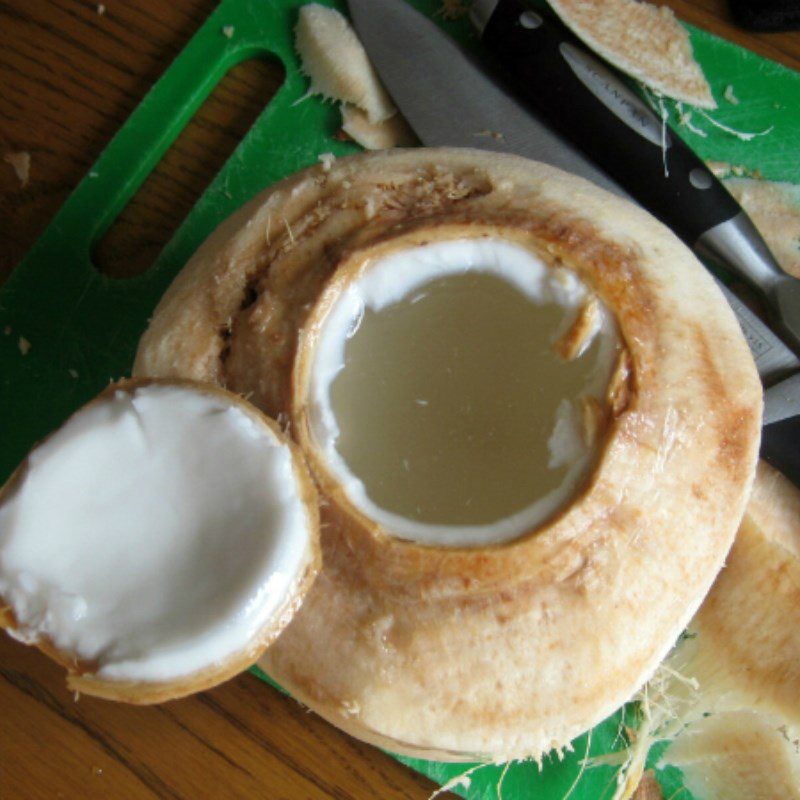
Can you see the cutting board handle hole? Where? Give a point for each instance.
(136, 237)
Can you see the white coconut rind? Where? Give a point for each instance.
(774, 207)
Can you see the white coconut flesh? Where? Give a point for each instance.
(155, 534)
(438, 400)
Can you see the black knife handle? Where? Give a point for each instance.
(587, 102)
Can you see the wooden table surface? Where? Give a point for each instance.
(70, 74)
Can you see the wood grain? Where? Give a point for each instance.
(70, 76)
(242, 739)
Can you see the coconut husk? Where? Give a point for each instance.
(643, 40)
(494, 651)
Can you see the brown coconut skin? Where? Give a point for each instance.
(82, 675)
(499, 651)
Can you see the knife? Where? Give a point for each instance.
(442, 83)
(590, 103)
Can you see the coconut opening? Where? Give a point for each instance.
(457, 390)
(161, 531)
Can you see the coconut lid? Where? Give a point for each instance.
(158, 541)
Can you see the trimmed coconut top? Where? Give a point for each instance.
(158, 533)
(410, 273)
(643, 40)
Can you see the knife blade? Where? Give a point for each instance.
(450, 99)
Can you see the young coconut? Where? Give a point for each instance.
(504, 627)
(158, 541)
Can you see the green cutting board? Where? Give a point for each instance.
(83, 327)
